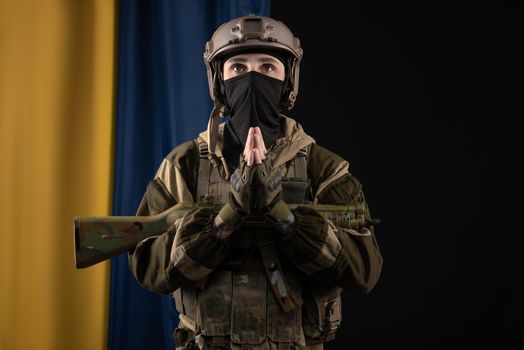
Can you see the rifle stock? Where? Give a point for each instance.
(98, 238)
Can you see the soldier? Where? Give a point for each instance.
(236, 285)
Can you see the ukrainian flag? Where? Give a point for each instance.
(93, 94)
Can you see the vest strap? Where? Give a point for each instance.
(274, 272)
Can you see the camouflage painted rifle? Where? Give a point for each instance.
(98, 238)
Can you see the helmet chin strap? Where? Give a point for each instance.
(212, 128)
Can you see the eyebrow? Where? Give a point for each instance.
(244, 60)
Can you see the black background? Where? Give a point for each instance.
(422, 99)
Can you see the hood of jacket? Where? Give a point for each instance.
(285, 148)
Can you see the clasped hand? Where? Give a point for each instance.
(255, 184)
(256, 187)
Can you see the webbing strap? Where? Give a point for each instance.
(207, 174)
(297, 168)
(274, 272)
(204, 172)
(301, 164)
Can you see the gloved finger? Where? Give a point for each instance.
(247, 173)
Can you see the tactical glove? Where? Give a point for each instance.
(268, 196)
(240, 195)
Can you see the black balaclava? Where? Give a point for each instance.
(253, 99)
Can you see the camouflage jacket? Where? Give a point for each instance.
(317, 254)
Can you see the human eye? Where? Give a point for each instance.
(268, 68)
(238, 68)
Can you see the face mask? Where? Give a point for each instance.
(253, 100)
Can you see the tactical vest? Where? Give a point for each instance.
(240, 305)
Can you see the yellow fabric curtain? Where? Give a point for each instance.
(56, 121)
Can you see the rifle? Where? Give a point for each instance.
(98, 238)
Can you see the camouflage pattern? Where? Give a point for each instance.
(248, 324)
(318, 257)
(98, 238)
(214, 305)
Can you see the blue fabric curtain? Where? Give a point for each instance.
(162, 101)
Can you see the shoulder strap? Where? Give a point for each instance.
(301, 163)
(296, 185)
(204, 171)
(207, 173)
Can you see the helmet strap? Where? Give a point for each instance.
(212, 128)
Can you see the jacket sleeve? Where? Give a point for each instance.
(165, 262)
(332, 255)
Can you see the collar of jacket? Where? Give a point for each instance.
(285, 148)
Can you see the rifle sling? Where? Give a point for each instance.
(274, 272)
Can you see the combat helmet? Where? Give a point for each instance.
(250, 33)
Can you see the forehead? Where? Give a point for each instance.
(253, 58)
